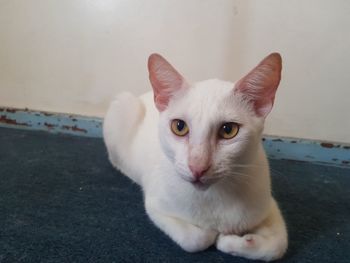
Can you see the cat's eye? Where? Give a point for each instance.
(179, 127)
(228, 130)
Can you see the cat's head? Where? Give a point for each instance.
(210, 128)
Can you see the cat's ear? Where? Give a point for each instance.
(259, 85)
(165, 80)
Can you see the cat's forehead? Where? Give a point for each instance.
(212, 90)
(210, 100)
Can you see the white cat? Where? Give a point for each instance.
(195, 149)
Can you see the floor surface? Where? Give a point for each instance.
(61, 201)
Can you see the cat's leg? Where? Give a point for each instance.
(266, 242)
(119, 126)
(189, 237)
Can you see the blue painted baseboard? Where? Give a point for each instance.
(307, 151)
(276, 147)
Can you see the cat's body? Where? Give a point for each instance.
(199, 189)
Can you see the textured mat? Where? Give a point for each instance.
(61, 201)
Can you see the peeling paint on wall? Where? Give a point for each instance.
(52, 122)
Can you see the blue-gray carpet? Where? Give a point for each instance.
(61, 201)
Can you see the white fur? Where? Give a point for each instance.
(235, 209)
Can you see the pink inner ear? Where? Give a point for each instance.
(165, 80)
(259, 86)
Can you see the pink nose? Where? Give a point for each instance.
(198, 171)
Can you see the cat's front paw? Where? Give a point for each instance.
(251, 246)
(198, 239)
(233, 243)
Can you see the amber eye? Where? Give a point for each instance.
(228, 130)
(179, 127)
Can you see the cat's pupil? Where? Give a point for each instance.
(227, 128)
(180, 125)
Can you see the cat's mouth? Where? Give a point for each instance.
(202, 183)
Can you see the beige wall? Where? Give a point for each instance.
(74, 55)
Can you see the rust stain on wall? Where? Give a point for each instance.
(4, 119)
(49, 125)
(11, 110)
(73, 128)
(277, 140)
(327, 145)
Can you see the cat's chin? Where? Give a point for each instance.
(200, 185)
